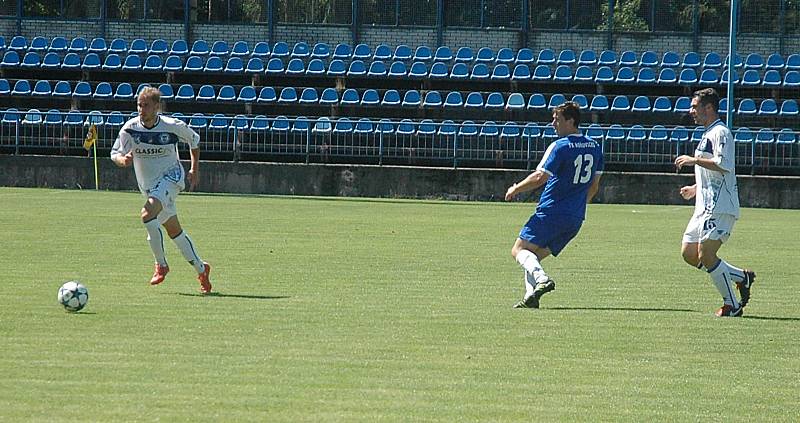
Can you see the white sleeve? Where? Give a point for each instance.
(122, 145)
(724, 150)
(187, 134)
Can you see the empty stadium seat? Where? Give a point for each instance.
(91, 61)
(546, 57)
(648, 59)
(179, 48)
(158, 47)
(185, 93)
(566, 57)
(628, 58)
(641, 104)
(637, 133)
(743, 135)
(524, 56)
(213, 64)
(315, 67)
(382, 52)
(370, 98)
(21, 87)
(206, 93)
(343, 125)
(10, 59)
(587, 58)
(295, 67)
(453, 99)
(31, 60)
(541, 73)
(583, 74)
(474, 100)
(480, 71)
(41, 88)
(670, 59)
(288, 95)
(662, 104)
(786, 136)
(604, 75)
(153, 63)
(489, 129)
(391, 98)
(682, 105)
(443, 54)
(501, 73)
(599, 103)
(38, 44)
(329, 96)
(688, 76)
(439, 70)
(691, 60)
(768, 107)
(563, 73)
(259, 123)
(775, 61)
(515, 101)
(667, 76)
(495, 100)
(791, 79)
(607, 58)
(226, 94)
(357, 68)
(432, 99)
(485, 55)
(132, 63)
(712, 60)
(772, 78)
(71, 61)
(280, 49)
(724, 78)
(402, 53)
(301, 50)
(646, 76)
(4, 87)
(350, 97)
(418, 70)
(115, 119)
(464, 54)
(581, 101)
(234, 65)
(557, 100)
(708, 77)
(63, 89)
(138, 46)
(240, 49)
(362, 52)
(267, 95)
(102, 91)
(18, 43)
(336, 67)
(165, 89)
(789, 108)
(624, 75)
(536, 102)
(397, 69)
(51, 60)
(412, 98)
(117, 46)
(678, 134)
(747, 107)
(754, 61)
(423, 54)
(309, 96)
(765, 136)
(619, 104)
(460, 70)
(261, 50)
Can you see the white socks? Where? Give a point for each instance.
(736, 274)
(531, 264)
(530, 284)
(187, 249)
(722, 280)
(156, 240)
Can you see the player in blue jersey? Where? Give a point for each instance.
(716, 204)
(570, 172)
(150, 143)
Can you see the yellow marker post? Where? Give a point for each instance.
(91, 142)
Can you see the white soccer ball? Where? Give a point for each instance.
(73, 296)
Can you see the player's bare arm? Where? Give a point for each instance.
(688, 192)
(122, 160)
(533, 181)
(194, 170)
(709, 164)
(593, 188)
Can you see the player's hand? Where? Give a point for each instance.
(688, 192)
(510, 193)
(193, 178)
(684, 160)
(125, 161)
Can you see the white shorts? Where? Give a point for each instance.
(166, 192)
(704, 227)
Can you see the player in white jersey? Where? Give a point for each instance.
(150, 143)
(716, 204)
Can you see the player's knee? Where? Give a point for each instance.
(690, 257)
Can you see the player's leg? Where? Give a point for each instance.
(152, 207)
(169, 218)
(690, 248)
(529, 256)
(743, 278)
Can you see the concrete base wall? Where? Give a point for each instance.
(379, 181)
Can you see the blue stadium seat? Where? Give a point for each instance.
(549, 134)
(604, 75)
(51, 60)
(443, 54)
(117, 46)
(637, 133)
(489, 129)
(791, 79)
(615, 133)
(646, 76)
(447, 129)
(31, 60)
(206, 93)
(60, 44)
(772, 78)
(607, 58)
(521, 73)
(275, 66)
(768, 107)
(280, 49)
(391, 98)
(185, 93)
(468, 129)
(453, 99)
(234, 65)
(322, 126)
(515, 101)
(688, 76)
(71, 61)
(239, 123)
(495, 100)
(581, 101)
(432, 99)
(288, 95)
(628, 58)
(301, 50)
(4, 87)
(525, 56)
(219, 48)
(412, 98)
(697, 134)
(267, 95)
(679, 134)
(343, 126)
(775, 61)
(426, 128)
(747, 107)
(439, 70)
(42, 88)
(751, 77)
(38, 44)
(649, 59)
(501, 72)
(682, 104)
(712, 61)
(295, 67)
(321, 51)
(786, 136)
(670, 59)
(115, 119)
(406, 127)
(315, 67)
(382, 52)
(723, 106)
(255, 65)
(259, 123)
(557, 100)
(350, 97)
(505, 55)
(102, 91)
(691, 60)
(213, 64)
(152, 63)
(91, 62)
(423, 54)
(743, 135)
(309, 96)
(179, 48)
(531, 130)
(566, 57)
(624, 75)
(132, 63)
(546, 57)
(363, 126)
(667, 76)
(541, 73)
(464, 54)
(789, 108)
(18, 43)
(754, 61)
(595, 132)
(619, 104)
(165, 89)
(362, 52)
(510, 130)
(599, 103)
(460, 70)
(587, 58)
(536, 102)
(329, 96)
(563, 73)
(397, 70)
(158, 46)
(11, 115)
(662, 104)
(261, 50)
(61, 89)
(138, 90)
(218, 122)
(418, 70)
(240, 49)
(74, 118)
(474, 100)
(708, 77)
(336, 67)
(724, 78)
(357, 68)
(765, 136)
(370, 98)
(485, 55)
(738, 62)
(641, 104)
(21, 87)
(226, 94)
(194, 64)
(82, 90)
(10, 59)
(200, 48)
(480, 71)
(402, 53)
(198, 121)
(94, 118)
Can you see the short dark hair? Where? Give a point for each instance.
(570, 111)
(707, 96)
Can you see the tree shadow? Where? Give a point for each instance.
(681, 310)
(223, 295)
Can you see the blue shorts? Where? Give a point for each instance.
(552, 232)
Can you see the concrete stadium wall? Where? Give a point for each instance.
(379, 181)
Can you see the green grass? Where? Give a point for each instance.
(358, 310)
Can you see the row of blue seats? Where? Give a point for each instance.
(401, 52)
(404, 127)
(371, 97)
(357, 68)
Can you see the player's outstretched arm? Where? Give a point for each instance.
(688, 192)
(194, 170)
(533, 181)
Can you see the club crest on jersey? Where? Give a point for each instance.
(164, 137)
(137, 139)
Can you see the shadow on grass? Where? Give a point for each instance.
(682, 310)
(777, 319)
(247, 297)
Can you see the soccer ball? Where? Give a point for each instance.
(73, 296)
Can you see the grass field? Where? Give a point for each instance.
(358, 310)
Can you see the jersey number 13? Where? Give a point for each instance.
(583, 168)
